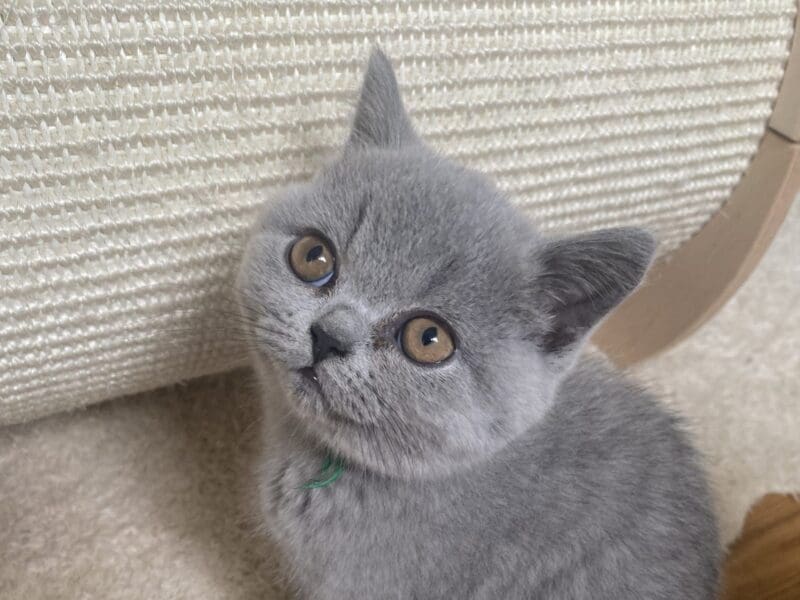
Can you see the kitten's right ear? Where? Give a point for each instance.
(583, 277)
(381, 119)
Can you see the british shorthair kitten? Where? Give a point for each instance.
(436, 431)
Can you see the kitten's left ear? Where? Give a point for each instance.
(381, 119)
(583, 277)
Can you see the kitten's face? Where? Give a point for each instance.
(409, 238)
(397, 297)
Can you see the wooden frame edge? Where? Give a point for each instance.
(686, 287)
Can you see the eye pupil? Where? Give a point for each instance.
(430, 336)
(315, 253)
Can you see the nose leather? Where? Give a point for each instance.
(325, 344)
(338, 332)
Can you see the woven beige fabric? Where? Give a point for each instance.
(135, 139)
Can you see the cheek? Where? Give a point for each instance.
(406, 388)
(522, 385)
(433, 398)
(277, 309)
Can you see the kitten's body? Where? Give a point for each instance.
(506, 470)
(615, 511)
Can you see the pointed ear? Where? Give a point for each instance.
(381, 119)
(583, 277)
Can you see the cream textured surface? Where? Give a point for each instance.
(142, 498)
(134, 138)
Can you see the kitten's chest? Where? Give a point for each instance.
(311, 490)
(353, 525)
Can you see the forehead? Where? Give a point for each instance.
(410, 229)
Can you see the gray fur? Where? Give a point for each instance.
(516, 469)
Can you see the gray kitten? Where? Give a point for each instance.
(437, 434)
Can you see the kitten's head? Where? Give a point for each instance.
(416, 319)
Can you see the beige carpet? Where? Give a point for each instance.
(142, 498)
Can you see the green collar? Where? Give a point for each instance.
(332, 469)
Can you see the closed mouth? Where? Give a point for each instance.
(310, 375)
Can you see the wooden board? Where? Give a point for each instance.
(764, 563)
(689, 285)
(686, 287)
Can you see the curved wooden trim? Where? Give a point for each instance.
(687, 286)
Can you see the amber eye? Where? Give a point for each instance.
(311, 259)
(426, 340)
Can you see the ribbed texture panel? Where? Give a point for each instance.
(135, 139)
